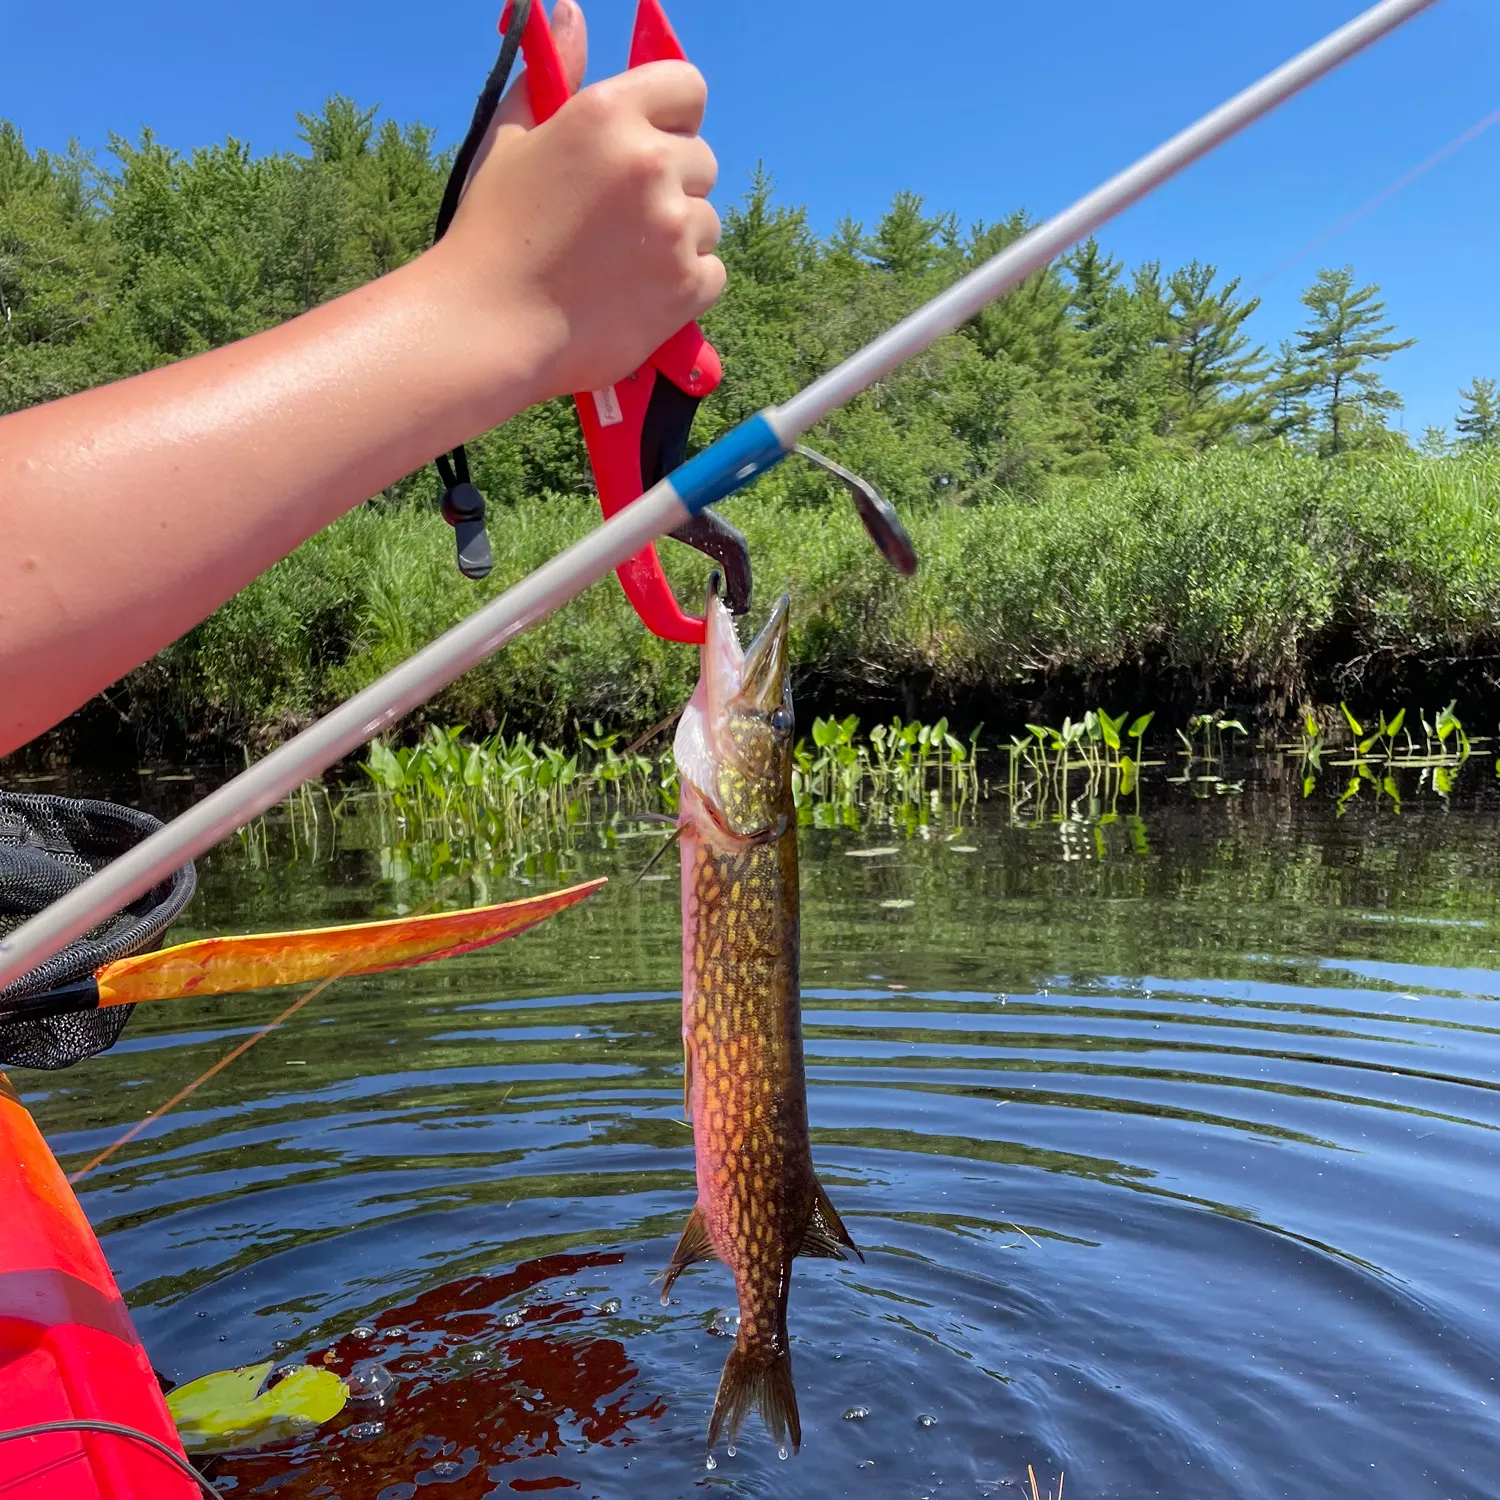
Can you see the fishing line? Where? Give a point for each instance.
(1385, 195)
(245, 1046)
(197, 1083)
(249, 1042)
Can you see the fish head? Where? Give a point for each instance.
(734, 742)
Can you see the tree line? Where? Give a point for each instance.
(1089, 368)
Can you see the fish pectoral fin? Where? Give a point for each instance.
(693, 1245)
(825, 1235)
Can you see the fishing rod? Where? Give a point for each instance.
(731, 463)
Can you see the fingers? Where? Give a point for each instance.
(703, 227)
(712, 279)
(671, 95)
(697, 166)
(570, 31)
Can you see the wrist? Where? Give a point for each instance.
(499, 352)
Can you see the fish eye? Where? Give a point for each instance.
(781, 721)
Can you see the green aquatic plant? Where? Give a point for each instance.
(249, 1407)
(1078, 770)
(899, 765)
(1095, 741)
(1204, 736)
(1309, 750)
(1389, 741)
(1384, 746)
(509, 791)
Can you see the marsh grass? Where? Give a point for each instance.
(1233, 575)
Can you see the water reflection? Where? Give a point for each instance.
(1170, 1142)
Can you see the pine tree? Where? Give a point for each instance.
(906, 243)
(1120, 330)
(1282, 399)
(1346, 338)
(1212, 371)
(1478, 421)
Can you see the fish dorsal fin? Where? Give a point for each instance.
(693, 1245)
(825, 1235)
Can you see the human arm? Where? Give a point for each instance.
(128, 513)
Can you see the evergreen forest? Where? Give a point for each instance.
(1109, 475)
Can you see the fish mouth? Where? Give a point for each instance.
(731, 675)
(755, 673)
(763, 677)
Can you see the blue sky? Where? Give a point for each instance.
(991, 106)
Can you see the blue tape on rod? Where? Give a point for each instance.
(742, 454)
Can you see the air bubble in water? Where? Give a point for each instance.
(610, 1306)
(366, 1429)
(283, 1372)
(712, 1463)
(512, 1320)
(856, 1413)
(725, 1324)
(782, 1452)
(925, 1421)
(364, 1331)
(731, 1450)
(370, 1381)
(447, 1468)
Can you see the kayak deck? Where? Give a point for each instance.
(68, 1348)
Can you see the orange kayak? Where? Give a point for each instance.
(68, 1349)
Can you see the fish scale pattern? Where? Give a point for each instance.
(749, 1099)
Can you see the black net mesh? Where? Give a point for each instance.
(48, 845)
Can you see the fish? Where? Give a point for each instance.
(759, 1203)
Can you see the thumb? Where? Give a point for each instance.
(570, 32)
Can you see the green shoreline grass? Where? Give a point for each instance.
(1244, 575)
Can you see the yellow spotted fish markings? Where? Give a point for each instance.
(759, 1202)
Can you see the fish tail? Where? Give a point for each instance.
(759, 1376)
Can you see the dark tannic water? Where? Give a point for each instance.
(1173, 1144)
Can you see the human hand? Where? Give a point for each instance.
(581, 244)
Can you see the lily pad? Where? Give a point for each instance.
(237, 1409)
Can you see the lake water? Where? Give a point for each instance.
(1170, 1141)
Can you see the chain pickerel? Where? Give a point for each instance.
(759, 1203)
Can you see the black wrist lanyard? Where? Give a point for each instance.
(461, 503)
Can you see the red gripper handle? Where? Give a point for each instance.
(613, 419)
